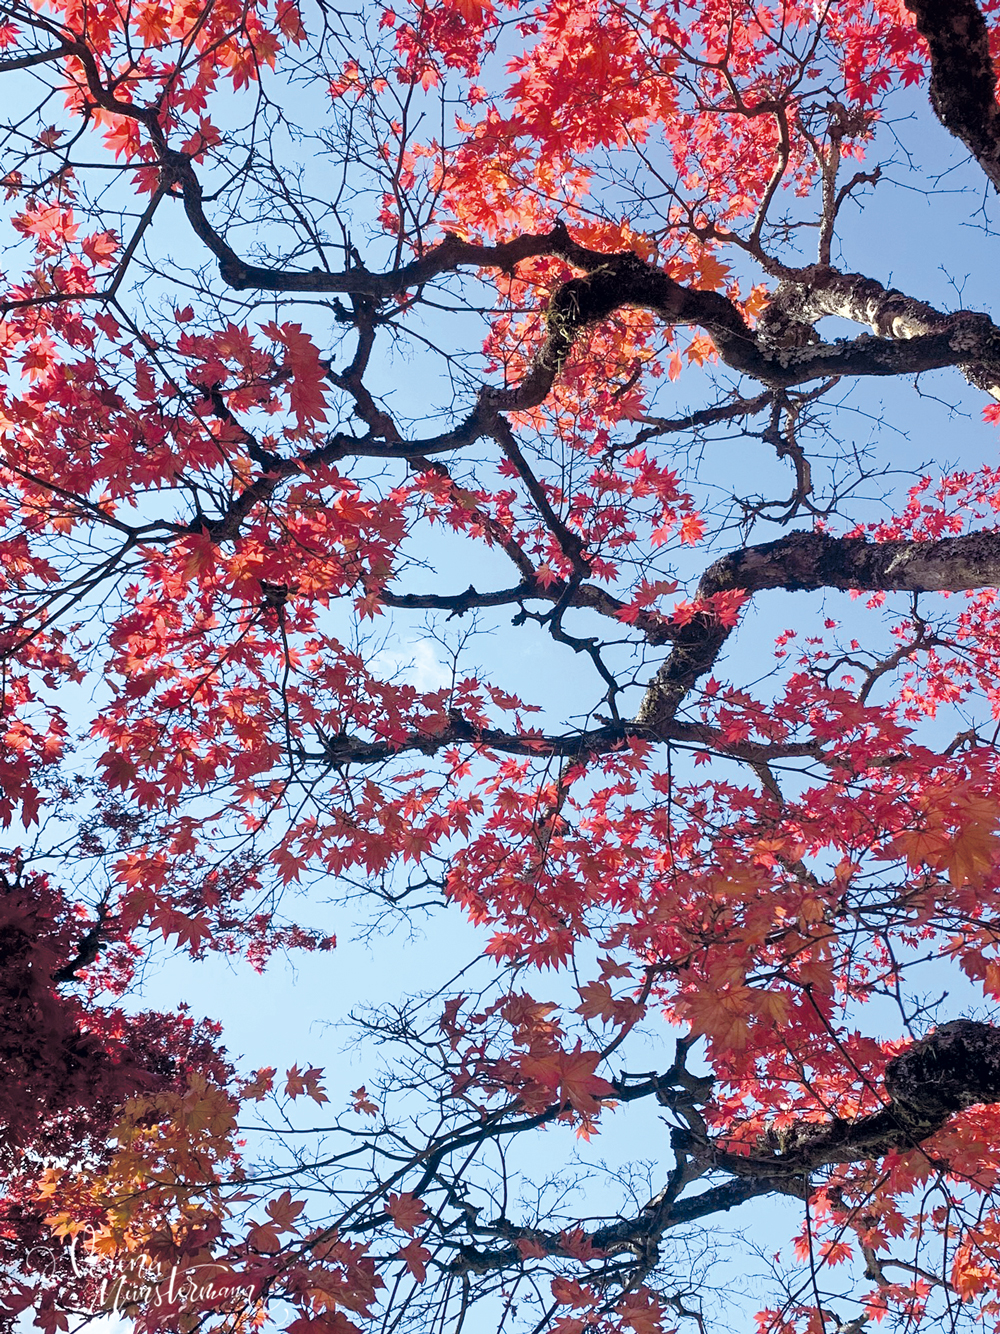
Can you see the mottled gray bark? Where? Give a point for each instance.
(955, 1067)
(963, 81)
(818, 291)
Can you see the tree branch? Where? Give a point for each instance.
(955, 1067)
(812, 561)
(963, 80)
(609, 283)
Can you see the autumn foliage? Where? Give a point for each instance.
(496, 331)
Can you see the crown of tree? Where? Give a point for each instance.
(331, 333)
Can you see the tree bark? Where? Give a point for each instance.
(813, 561)
(963, 80)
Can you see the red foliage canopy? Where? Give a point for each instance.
(309, 318)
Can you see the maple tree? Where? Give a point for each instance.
(309, 315)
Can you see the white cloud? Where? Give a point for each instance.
(415, 663)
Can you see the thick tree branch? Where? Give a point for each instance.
(797, 562)
(347, 750)
(609, 283)
(820, 290)
(624, 280)
(963, 80)
(655, 628)
(87, 951)
(817, 560)
(812, 561)
(955, 1067)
